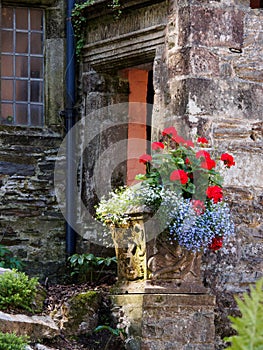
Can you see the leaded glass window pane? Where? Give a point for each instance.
(22, 66)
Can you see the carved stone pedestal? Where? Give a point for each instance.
(153, 265)
(160, 300)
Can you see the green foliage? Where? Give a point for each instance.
(7, 260)
(249, 326)
(85, 265)
(17, 290)
(79, 21)
(116, 7)
(114, 331)
(10, 341)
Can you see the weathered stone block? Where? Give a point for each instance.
(36, 327)
(10, 168)
(167, 321)
(216, 27)
(80, 314)
(184, 320)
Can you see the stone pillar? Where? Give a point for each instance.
(166, 321)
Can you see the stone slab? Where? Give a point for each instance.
(36, 327)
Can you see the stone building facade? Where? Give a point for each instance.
(200, 64)
(31, 224)
(205, 60)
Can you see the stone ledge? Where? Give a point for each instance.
(134, 46)
(36, 327)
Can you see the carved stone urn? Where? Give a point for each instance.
(150, 263)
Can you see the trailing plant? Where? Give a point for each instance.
(7, 260)
(80, 20)
(17, 291)
(10, 341)
(249, 326)
(86, 265)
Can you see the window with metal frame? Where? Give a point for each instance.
(22, 66)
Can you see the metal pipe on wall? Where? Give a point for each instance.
(70, 144)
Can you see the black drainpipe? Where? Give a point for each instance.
(70, 144)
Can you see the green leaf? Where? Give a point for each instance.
(115, 331)
(140, 177)
(80, 259)
(73, 259)
(249, 326)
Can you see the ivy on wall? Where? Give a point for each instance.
(79, 21)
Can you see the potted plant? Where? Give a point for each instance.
(161, 225)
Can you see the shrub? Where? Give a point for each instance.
(249, 326)
(10, 341)
(17, 290)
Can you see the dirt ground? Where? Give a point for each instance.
(102, 340)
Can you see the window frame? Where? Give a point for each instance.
(54, 62)
(26, 103)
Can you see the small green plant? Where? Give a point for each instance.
(85, 265)
(117, 332)
(114, 331)
(249, 326)
(7, 260)
(17, 290)
(10, 341)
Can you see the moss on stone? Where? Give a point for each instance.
(82, 313)
(90, 298)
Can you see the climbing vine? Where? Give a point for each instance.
(79, 21)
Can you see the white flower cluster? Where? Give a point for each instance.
(120, 203)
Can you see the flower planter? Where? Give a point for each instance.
(153, 265)
(183, 187)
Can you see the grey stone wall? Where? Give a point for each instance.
(215, 88)
(31, 224)
(207, 80)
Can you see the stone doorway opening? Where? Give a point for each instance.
(140, 79)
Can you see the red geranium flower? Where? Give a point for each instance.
(145, 158)
(187, 161)
(199, 206)
(227, 159)
(179, 139)
(157, 145)
(217, 243)
(208, 163)
(215, 193)
(202, 140)
(203, 154)
(169, 131)
(179, 175)
(189, 143)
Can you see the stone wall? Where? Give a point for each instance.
(31, 224)
(207, 76)
(215, 88)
